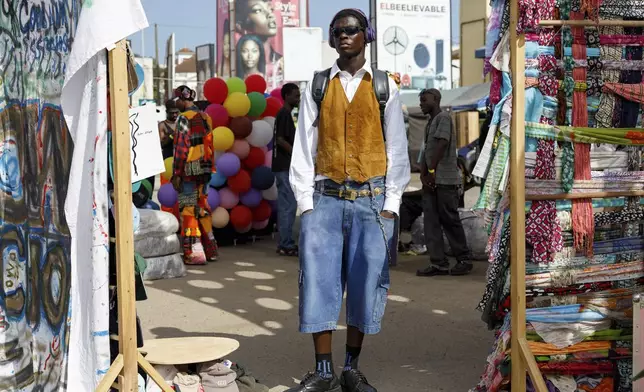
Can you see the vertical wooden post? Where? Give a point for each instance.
(517, 199)
(123, 216)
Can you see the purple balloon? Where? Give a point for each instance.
(168, 197)
(228, 164)
(213, 198)
(271, 144)
(251, 199)
(228, 199)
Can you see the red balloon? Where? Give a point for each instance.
(241, 216)
(262, 211)
(241, 127)
(255, 83)
(273, 105)
(218, 114)
(277, 93)
(215, 90)
(240, 182)
(256, 158)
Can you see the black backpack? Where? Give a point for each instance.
(380, 83)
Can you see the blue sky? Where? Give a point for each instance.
(194, 21)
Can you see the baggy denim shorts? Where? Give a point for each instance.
(345, 244)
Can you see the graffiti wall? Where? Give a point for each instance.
(35, 153)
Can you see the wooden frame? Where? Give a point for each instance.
(123, 374)
(521, 355)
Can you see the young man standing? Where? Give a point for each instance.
(284, 135)
(348, 172)
(442, 184)
(194, 157)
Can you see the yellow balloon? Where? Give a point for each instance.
(167, 175)
(222, 138)
(237, 105)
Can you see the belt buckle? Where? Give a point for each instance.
(348, 194)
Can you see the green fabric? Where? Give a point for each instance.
(619, 136)
(140, 264)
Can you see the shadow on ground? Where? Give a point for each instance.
(432, 339)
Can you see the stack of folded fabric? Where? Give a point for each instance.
(157, 241)
(584, 110)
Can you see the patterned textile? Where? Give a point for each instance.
(567, 167)
(632, 92)
(543, 231)
(632, 9)
(196, 225)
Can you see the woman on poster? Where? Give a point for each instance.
(256, 17)
(250, 58)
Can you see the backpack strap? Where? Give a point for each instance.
(318, 88)
(381, 89)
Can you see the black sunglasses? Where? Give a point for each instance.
(348, 30)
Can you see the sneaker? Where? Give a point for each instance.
(461, 268)
(434, 270)
(314, 383)
(354, 381)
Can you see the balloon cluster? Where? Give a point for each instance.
(242, 189)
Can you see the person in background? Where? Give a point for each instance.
(284, 136)
(442, 182)
(348, 173)
(167, 128)
(194, 157)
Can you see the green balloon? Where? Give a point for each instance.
(236, 85)
(257, 104)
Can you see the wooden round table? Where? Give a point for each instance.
(185, 351)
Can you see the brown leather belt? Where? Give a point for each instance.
(352, 194)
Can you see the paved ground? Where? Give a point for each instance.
(432, 339)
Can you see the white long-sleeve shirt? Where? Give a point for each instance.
(302, 172)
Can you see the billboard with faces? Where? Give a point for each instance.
(421, 56)
(256, 28)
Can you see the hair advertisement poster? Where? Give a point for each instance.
(257, 31)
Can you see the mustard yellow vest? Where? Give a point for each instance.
(350, 140)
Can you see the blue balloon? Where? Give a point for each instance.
(217, 180)
(150, 205)
(262, 178)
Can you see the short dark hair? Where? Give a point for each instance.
(170, 104)
(350, 12)
(431, 91)
(288, 88)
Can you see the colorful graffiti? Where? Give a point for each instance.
(35, 155)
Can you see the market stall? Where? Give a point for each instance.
(564, 173)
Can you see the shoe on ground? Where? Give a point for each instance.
(314, 383)
(433, 270)
(354, 381)
(461, 268)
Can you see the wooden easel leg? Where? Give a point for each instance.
(154, 375)
(119, 105)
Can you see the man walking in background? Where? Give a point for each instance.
(442, 184)
(350, 167)
(194, 157)
(167, 128)
(284, 135)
